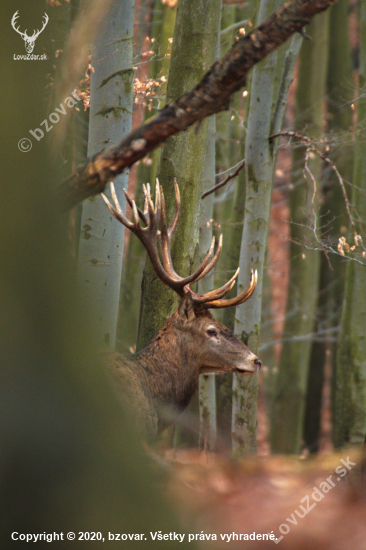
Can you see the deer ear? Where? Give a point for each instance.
(186, 308)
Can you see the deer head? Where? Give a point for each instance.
(28, 40)
(216, 348)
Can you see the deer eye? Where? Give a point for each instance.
(211, 332)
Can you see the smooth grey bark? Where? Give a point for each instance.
(258, 171)
(223, 119)
(207, 388)
(349, 412)
(182, 156)
(291, 380)
(101, 239)
(231, 223)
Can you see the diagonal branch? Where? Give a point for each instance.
(211, 95)
(225, 181)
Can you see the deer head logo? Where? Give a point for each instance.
(28, 40)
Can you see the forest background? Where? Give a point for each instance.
(307, 318)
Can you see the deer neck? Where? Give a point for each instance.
(169, 369)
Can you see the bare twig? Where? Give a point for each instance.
(225, 181)
(320, 336)
(311, 147)
(312, 211)
(322, 246)
(233, 27)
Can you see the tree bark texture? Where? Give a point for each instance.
(101, 237)
(207, 387)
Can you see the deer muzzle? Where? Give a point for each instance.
(252, 364)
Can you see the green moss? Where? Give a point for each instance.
(117, 112)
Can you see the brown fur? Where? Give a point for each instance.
(166, 373)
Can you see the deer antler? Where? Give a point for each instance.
(150, 236)
(13, 21)
(37, 32)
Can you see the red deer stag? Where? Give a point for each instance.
(166, 373)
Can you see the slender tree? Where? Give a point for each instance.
(349, 414)
(267, 354)
(232, 222)
(290, 387)
(340, 93)
(101, 239)
(259, 176)
(207, 389)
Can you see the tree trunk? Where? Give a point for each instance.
(135, 255)
(259, 177)
(207, 389)
(349, 414)
(193, 51)
(101, 240)
(290, 386)
(333, 212)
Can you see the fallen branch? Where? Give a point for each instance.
(211, 95)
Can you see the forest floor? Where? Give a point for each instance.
(276, 494)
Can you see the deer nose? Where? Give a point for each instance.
(257, 363)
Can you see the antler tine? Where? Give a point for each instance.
(144, 191)
(148, 236)
(116, 209)
(115, 199)
(164, 240)
(240, 299)
(218, 293)
(213, 262)
(174, 223)
(157, 203)
(150, 208)
(196, 275)
(141, 214)
(136, 218)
